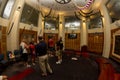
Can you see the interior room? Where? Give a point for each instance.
(88, 32)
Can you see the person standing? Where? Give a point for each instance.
(32, 52)
(3, 77)
(41, 50)
(25, 48)
(59, 50)
(51, 46)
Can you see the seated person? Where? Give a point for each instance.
(3, 77)
(84, 51)
(11, 56)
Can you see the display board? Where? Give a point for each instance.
(116, 46)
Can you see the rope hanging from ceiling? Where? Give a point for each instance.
(87, 5)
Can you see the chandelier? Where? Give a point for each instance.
(62, 1)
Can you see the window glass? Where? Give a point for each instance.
(8, 9)
(72, 23)
(51, 23)
(29, 15)
(95, 23)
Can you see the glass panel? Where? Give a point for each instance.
(29, 15)
(117, 45)
(51, 23)
(95, 23)
(72, 23)
(8, 9)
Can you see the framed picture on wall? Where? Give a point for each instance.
(72, 36)
(116, 46)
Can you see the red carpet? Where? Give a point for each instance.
(22, 75)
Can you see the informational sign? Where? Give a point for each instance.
(117, 45)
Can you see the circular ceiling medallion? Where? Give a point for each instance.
(62, 1)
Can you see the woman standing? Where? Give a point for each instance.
(25, 48)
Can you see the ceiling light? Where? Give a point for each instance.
(62, 1)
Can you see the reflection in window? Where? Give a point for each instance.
(72, 23)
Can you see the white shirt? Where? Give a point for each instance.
(23, 46)
(1, 77)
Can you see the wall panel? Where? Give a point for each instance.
(95, 42)
(3, 41)
(47, 35)
(73, 44)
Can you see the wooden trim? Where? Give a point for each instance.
(28, 34)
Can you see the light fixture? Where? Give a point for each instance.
(62, 1)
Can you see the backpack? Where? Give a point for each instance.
(21, 50)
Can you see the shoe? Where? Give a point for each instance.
(33, 64)
(28, 65)
(51, 55)
(50, 73)
(58, 62)
(61, 60)
(43, 75)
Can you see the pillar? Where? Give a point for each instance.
(13, 28)
(40, 25)
(83, 33)
(107, 31)
(61, 31)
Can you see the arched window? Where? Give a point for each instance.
(8, 9)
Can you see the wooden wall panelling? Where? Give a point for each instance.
(3, 41)
(95, 42)
(28, 34)
(46, 37)
(0, 47)
(73, 44)
(0, 38)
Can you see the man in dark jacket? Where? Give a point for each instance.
(41, 50)
(59, 49)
